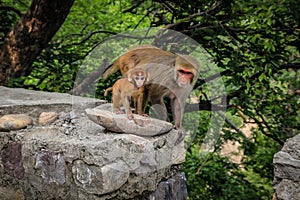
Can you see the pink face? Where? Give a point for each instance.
(184, 77)
(139, 80)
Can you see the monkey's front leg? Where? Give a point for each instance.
(126, 104)
(139, 105)
(177, 110)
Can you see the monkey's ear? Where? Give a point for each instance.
(129, 78)
(148, 77)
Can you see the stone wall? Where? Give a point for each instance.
(51, 150)
(287, 170)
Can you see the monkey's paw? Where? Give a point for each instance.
(130, 116)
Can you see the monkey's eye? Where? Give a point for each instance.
(181, 71)
(139, 78)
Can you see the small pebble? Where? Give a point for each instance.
(47, 117)
(14, 122)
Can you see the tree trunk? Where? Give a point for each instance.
(30, 36)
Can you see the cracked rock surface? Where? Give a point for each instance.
(287, 170)
(72, 157)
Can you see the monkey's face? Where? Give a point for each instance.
(139, 80)
(138, 77)
(185, 73)
(184, 77)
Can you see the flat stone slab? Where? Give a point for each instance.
(19, 100)
(142, 126)
(20, 96)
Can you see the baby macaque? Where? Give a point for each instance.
(125, 88)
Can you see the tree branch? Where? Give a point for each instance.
(232, 125)
(205, 105)
(190, 17)
(266, 126)
(30, 36)
(294, 66)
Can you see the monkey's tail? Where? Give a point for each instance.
(108, 90)
(111, 69)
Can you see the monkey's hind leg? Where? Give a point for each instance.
(139, 101)
(116, 102)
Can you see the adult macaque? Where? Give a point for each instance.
(175, 82)
(172, 76)
(125, 88)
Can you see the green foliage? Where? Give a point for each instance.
(7, 24)
(259, 155)
(211, 176)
